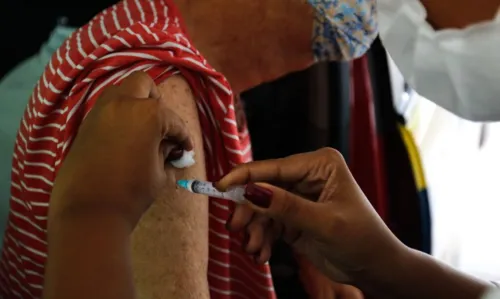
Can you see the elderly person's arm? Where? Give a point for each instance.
(116, 168)
(170, 243)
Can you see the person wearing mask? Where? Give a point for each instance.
(448, 51)
(318, 209)
(200, 54)
(329, 51)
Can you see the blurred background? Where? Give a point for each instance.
(432, 176)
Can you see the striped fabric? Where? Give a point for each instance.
(134, 35)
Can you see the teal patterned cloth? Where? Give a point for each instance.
(15, 90)
(343, 29)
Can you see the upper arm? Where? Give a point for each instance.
(170, 244)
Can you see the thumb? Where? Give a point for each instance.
(286, 207)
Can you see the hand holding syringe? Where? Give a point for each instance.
(238, 194)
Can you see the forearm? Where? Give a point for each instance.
(415, 275)
(443, 14)
(89, 256)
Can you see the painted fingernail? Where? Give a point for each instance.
(258, 195)
(228, 222)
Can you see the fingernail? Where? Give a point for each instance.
(258, 195)
(228, 222)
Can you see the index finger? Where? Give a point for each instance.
(285, 170)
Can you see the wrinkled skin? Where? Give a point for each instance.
(269, 39)
(274, 36)
(275, 39)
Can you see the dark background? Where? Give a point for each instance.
(26, 24)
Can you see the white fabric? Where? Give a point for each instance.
(457, 69)
(492, 294)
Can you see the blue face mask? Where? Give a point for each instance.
(343, 29)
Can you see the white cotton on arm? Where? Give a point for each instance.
(187, 160)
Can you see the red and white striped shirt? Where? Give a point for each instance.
(133, 35)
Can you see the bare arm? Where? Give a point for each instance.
(95, 205)
(415, 275)
(92, 245)
(167, 252)
(170, 244)
(444, 14)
